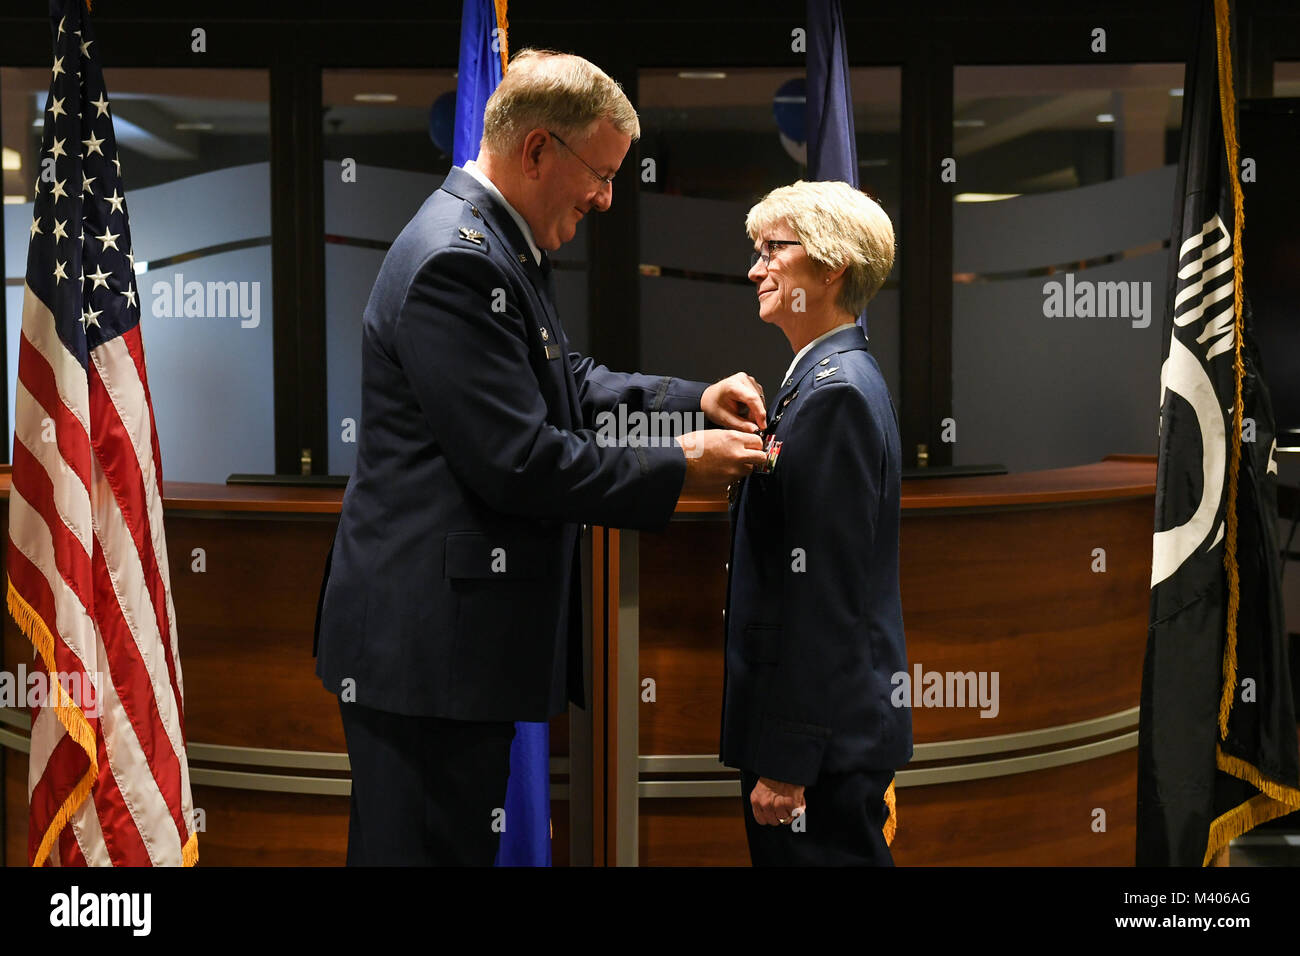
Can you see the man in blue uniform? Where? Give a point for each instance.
(451, 606)
(814, 624)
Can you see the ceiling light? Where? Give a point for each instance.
(701, 75)
(375, 97)
(193, 127)
(12, 161)
(1105, 117)
(983, 197)
(967, 123)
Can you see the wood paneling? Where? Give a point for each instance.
(1014, 592)
(245, 630)
(1045, 818)
(255, 828)
(1010, 591)
(683, 592)
(693, 832)
(1031, 819)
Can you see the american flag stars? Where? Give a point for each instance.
(105, 265)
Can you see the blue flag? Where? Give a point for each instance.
(478, 74)
(526, 840)
(832, 148)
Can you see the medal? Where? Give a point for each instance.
(773, 451)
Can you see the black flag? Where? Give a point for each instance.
(1217, 751)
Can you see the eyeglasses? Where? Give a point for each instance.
(603, 180)
(769, 246)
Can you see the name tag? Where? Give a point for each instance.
(553, 352)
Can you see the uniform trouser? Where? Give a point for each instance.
(842, 826)
(425, 791)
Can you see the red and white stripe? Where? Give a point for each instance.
(88, 555)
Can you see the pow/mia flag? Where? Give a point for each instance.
(1217, 750)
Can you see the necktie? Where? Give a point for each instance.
(548, 277)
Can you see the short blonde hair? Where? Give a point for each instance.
(554, 91)
(838, 226)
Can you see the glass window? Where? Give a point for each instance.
(387, 147)
(194, 147)
(1286, 78)
(1063, 205)
(719, 140)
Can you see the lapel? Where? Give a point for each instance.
(845, 340)
(502, 225)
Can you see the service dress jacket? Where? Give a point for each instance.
(452, 589)
(814, 620)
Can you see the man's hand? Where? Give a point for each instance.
(776, 803)
(736, 402)
(716, 457)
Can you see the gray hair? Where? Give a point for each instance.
(838, 226)
(554, 91)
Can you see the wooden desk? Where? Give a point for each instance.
(996, 575)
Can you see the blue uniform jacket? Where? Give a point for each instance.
(814, 623)
(452, 588)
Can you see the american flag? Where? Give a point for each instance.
(88, 581)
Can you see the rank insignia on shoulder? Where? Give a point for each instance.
(825, 372)
(773, 451)
(471, 235)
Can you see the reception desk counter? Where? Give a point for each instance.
(1035, 585)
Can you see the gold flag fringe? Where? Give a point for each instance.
(1274, 799)
(69, 714)
(1228, 109)
(74, 722)
(891, 824)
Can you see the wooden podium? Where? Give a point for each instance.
(997, 575)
